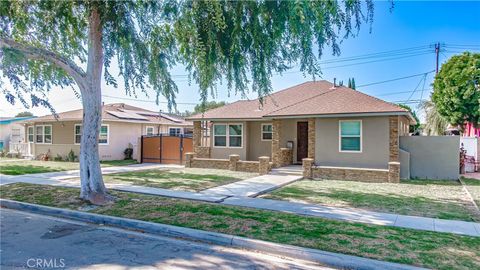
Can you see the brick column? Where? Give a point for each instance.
(307, 164)
(394, 159)
(232, 166)
(393, 141)
(394, 172)
(264, 166)
(311, 138)
(276, 131)
(197, 135)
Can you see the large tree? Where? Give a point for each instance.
(456, 91)
(73, 43)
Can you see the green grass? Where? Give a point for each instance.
(125, 162)
(187, 179)
(473, 186)
(420, 248)
(429, 198)
(36, 166)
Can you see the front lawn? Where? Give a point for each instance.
(19, 167)
(473, 186)
(429, 198)
(188, 179)
(421, 248)
(35, 166)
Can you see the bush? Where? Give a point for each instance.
(71, 157)
(58, 158)
(128, 153)
(3, 153)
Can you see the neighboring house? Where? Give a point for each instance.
(122, 127)
(345, 132)
(11, 131)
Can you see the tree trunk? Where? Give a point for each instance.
(92, 186)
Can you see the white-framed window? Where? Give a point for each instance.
(102, 137)
(149, 130)
(43, 134)
(77, 133)
(230, 135)
(30, 134)
(350, 136)
(174, 131)
(267, 132)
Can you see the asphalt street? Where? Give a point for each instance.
(30, 241)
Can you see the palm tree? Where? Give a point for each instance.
(435, 124)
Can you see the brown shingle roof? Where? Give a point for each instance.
(309, 98)
(111, 112)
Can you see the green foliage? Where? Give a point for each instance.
(456, 89)
(435, 124)
(71, 157)
(24, 114)
(58, 158)
(209, 105)
(351, 83)
(244, 42)
(128, 152)
(412, 128)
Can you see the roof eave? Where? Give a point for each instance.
(330, 115)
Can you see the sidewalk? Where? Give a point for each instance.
(337, 213)
(255, 186)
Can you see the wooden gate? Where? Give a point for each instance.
(165, 149)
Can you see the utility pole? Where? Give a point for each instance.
(437, 52)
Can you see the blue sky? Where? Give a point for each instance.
(409, 24)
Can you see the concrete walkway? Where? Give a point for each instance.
(359, 215)
(255, 186)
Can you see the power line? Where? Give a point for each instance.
(150, 101)
(396, 79)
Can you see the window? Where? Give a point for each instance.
(150, 130)
(30, 134)
(351, 136)
(235, 135)
(220, 135)
(231, 136)
(266, 132)
(102, 138)
(78, 133)
(43, 134)
(174, 131)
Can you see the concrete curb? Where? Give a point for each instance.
(324, 257)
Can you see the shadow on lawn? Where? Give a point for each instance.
(25, 169)
(389, 202)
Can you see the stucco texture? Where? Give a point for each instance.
(375, 144)
(121, 134)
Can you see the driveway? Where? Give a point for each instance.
(33, 241)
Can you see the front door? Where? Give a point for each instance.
(302, 140)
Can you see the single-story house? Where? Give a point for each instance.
(342, 132)
(122, 127)
(11, 131)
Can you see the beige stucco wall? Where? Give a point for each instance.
(255, 146)
(224, 152)
(375, 143)
(121, 134)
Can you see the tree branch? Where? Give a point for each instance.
(34, 53)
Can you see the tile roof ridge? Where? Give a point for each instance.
(303, 100)
(280, 91)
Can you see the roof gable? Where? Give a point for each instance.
(309, 98)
